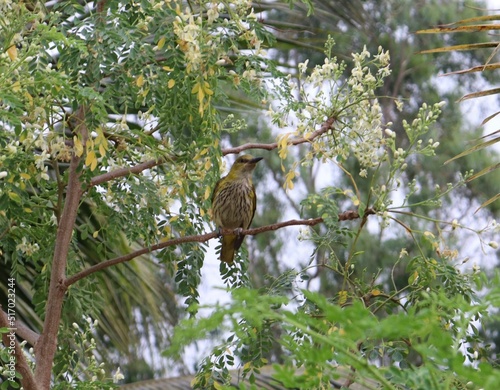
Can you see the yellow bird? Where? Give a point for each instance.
(234, 202)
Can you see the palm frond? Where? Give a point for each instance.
(472, 25)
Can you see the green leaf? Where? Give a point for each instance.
(475, 148)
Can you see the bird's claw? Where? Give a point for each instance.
(237, 231)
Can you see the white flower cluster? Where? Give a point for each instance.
(420, 125)
(200, 36)
(5, 5)
(212, 13)
(365, 129)
(366, 132)
(40, 158)
(27, 248)
(46, 145)
(320, 74)
(494, 228)
(188, 30)
(358, 128)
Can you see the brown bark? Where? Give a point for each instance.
(345, 216)
(46, 346)
(22, 367)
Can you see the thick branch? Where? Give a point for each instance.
(47, 343)
(11, 343)
(345, 216)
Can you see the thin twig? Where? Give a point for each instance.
(120, 172)
(136, 169)
(327, 125)
(7, 229)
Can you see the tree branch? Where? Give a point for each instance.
(46, 346)
(120, 172)
(122, 259)
(345, 216)
(327, 125)
(136, 169)
(6, 230)
(10, 342)
(23, 331)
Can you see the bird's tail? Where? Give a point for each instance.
(228, 248)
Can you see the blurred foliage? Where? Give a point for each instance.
(379, 338)
(171, 84)
(474, 28)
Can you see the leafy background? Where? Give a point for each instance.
(150, 97)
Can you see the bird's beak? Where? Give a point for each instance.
(255, 160)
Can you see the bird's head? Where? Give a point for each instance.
(244, 165)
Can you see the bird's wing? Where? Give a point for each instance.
(254, 205)
(216, 188)
(240, 237)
